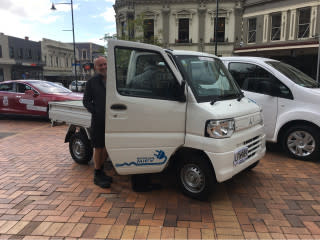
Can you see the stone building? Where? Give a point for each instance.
(183, 24)
(281, 29)
(87, 52)
(59, 59)
(20, 58)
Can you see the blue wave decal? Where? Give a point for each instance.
(145, 161)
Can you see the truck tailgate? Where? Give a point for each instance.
(70, 112)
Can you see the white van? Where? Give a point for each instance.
(171, 107)
(289, 99)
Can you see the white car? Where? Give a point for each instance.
(81, 86)
(289, 100)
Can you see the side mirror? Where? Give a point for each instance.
(181, 95)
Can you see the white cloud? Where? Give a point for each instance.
(112, 1)
(108, 15)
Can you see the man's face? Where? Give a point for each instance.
(101, 66)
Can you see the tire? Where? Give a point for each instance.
(252, 166)
(80, 148)
(195, 176)
(302, 142)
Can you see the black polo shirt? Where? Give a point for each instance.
(94, 98)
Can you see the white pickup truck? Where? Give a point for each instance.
(170, 107)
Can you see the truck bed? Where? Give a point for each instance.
(70, 112)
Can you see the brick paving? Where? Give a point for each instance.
(45, 195)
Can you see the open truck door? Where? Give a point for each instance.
(145, 111)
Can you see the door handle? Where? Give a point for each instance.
(118, 107)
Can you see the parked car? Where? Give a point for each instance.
(81, 86)
(31, 97)
(289, 99)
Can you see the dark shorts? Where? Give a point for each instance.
(97, 133)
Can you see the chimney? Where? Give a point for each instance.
(26, 38)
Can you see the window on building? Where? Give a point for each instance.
(131, 26)
(84, 54)
(221, 30)
(275, 26)
(183, 30)
(57, 61)
(252, 30)
(304, 22)
(51, 61)
(148, 28)
(1, 75)
(67, 62)
(29, 53)
(123, 25)
(20, 53)
(11, 52)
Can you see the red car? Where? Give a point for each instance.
(31, 97)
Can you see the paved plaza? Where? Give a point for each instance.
(44, 194)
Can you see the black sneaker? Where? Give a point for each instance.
(101, 179)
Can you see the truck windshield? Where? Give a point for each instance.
(208, 78)
(294, 74)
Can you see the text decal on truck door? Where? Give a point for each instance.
(143, 161)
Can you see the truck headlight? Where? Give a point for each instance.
(220, 128)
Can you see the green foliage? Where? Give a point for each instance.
(134, 31)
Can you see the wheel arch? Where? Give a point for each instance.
(186, 151)
(73, 129)
(293, 123)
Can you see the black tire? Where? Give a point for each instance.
(80, 148)
(302, 142)
(252, 166)
(195, 176)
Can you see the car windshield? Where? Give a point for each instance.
(50, 87)
(294, 74)
(208, 78)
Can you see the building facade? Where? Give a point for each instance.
(59, 61)
(20, 58)
(183, 24)
(281, 29)
(87, 52)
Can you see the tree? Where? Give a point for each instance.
(134, 31)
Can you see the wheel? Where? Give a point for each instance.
(302, 142)
(80, 148)
(252, 166)
(195, 176)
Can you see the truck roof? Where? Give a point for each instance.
(256, 59)
(191, 53)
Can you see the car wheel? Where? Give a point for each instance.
(195, 176)
(80, 148)
(302, 142)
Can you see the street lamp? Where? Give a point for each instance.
(215, 29)
(74, 44)
(318, 62)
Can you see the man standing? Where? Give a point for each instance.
(94, 100)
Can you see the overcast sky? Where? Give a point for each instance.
(33, 18)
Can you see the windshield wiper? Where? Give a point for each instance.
(214, 100)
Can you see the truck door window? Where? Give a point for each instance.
(144, 74)
(253, 78)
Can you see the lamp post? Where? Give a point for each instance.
(318, 62)
(215, 29)
(74, 44)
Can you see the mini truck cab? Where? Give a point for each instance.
(181, 107)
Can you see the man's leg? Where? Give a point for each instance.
(100, 177)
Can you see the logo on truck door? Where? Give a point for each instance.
(159, 158)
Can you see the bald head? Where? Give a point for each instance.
(100, 65)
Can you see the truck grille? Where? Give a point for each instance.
(253, 144)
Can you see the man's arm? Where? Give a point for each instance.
(88, 98)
